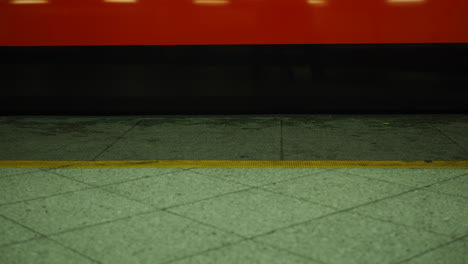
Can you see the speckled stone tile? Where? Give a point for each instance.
(15, 171)
(349, 238)
(410, 177)
(257, 176)
(252, 212)
(366, 137)
(102, 176)
(458, 186)
(454, 253)
(174, 188)
(246, 252)
(41, 251)
(149, 238)
(199, 138)
(71, 210)
(454, 127)
(60, 138)
(436, 212)
(337, 189)
(11, 232)
(32, 185)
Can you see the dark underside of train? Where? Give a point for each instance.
(234, 79)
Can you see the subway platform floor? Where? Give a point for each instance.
(285, 189)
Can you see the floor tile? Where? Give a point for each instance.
(32, 185)
(200, 138)
(257, 176)
(454, 253)
(60, 138)
(40, 251)
(71, 210)
(11, 232)
(174, 188)
(371, 137)
(14, 171)
(246, 252)
(422, 209)
(330, 137)
(99, 176)
(337, 189)
(410, 177)
(458, 186)
(454, 127)
(252, 212)
(349, 238)
(149, 238)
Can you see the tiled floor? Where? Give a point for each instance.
(164, 215)
(315, 137)
(242, 215)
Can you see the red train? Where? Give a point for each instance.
(294, 56)
(192, 22)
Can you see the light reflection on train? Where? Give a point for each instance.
(208, 2)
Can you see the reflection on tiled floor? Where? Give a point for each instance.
(234, 216)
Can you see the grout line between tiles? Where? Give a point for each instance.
(124, 181)
(244, 239)
(104, 222)
(357, 174)
(441, 181)
(24, 173)
(18, 174)
(399, 224)
(384, 198)
(161, 210)
(261, 187)
(38, 234)
(90, 186)
(149, 204)
(203, 251)
(117, 139)
(432, 249)
(22, 241)
(102, 189)
(375, 179)
(207, 224)
(287, 250)
(48, 196)
(328, 206)
(341, 211)
(423, 187)
(154, 210)
(207, 198)
(446, 136)
(360, 214)
(43, 236)
(75, 251)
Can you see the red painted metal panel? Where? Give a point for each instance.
(171, 22)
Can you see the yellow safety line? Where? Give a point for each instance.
(233, 164)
